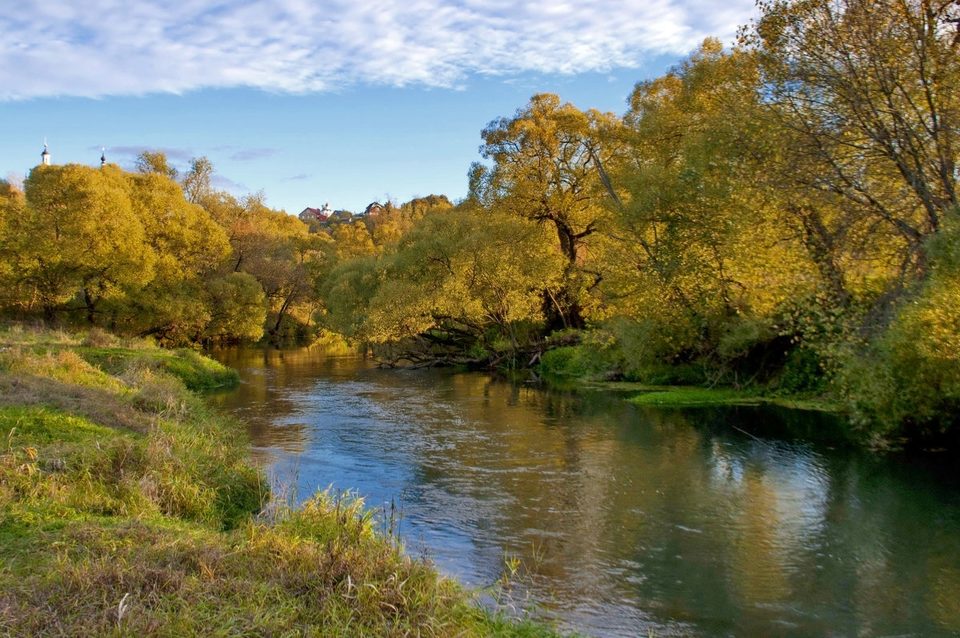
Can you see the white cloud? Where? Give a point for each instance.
(111, 47)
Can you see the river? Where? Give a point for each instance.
(624, 521)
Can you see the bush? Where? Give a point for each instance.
(906, 384)
(592, 359)
(651, 350)
(802, 373)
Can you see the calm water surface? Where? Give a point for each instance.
(627, 521)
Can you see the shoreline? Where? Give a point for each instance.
(128, 506)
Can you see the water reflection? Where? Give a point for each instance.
(627, 520)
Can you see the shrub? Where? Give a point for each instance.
(907, 383)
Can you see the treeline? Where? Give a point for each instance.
(154, 253)
(139, 252)
(782, 215)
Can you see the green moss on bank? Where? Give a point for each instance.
(585, 367)
(680, 396)
(129, 508)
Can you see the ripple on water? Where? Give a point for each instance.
(627, 520)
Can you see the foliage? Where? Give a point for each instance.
(775, 216)
(906, 384)
(76, 237)
(583, 361)
(131, 251)
(546, 161)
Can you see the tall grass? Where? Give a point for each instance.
(127, 507)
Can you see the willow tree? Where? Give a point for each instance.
(695, 237)
(11, 208)
(78, 238)
(188, 247)
(463, 284)
(545, 168)
(867, 94)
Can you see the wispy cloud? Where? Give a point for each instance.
(225, 183)
(297, 178)
(129, 153)
(249, 154)
(114, 47)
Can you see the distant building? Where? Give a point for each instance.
(374, 209)
(315, 214)
(46, 159)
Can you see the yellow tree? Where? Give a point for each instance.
(11, 207)
(459, 285)
(78, 237)
(278, 251)
(352, 239)
(871, 89)
(545, 168)
(693, 236)
(189, 248)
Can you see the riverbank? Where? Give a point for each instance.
(127, 507)
(582, 368)
(697, 396)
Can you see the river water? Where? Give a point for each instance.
(625, 521)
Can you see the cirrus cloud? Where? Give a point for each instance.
(117, 47)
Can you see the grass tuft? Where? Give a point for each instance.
(127, 507)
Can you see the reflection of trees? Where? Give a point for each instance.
(757, 559)
(273, 384)
(652, 513)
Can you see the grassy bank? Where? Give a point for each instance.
(697, 396)
(129, 508)
(583, 368)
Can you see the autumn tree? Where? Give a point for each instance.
(11, 208)
(352, 239)
(693, 238)
(393, 222)
(198, 181)
(278, 251)
(237, 308)
(188, 248)
(78, 237)
(545, 162)
(457, 287)
(155, 162)
(871, 90)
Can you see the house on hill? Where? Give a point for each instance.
(373, 209)
(315, 214)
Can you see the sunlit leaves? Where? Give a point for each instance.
(546, 169)
(79, 236)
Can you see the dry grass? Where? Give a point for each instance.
(96, 404)
(128, 509)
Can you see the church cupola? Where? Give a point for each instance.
(45, 155)
(103, 157)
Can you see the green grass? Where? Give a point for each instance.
(127, 507)
(696, 396)
(688, 396)
(193, 369)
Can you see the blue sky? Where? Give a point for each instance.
(320, 101)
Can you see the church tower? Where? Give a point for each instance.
(45, 156)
